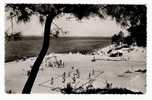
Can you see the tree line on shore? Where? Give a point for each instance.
(137, 36)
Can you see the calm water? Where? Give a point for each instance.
(31, 46)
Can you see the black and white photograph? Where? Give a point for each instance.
(75, 48)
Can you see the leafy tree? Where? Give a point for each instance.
(114, 38)
(23, 12)
(118, 38)
(133, 16)
(47, 12)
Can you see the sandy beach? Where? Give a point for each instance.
(127, 71)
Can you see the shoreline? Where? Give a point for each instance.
(122, 74)
(99, 51)
(82, 52)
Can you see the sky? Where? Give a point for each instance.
(94, 26)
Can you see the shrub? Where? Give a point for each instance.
(118, 38)
(70, 90)
(91, 90)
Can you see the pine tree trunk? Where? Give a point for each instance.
(30, 81)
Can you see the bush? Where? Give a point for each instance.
(15, 36)
(117, 54)
(70, 90)
(117, 39)
(91, 90)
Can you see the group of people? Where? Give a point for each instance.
(54, 62)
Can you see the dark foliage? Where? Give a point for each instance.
(140, 70)
(25, 11)
(129, 40)
(69, 90)
(136, 15)
(109, 51)
(15, 36)
(138, 33)
(117, 54)
(114, 39)
(118, 38)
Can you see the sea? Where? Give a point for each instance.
(31, 46)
